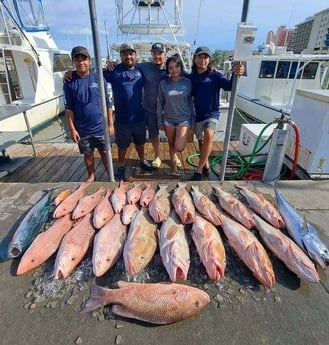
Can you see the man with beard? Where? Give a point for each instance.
(127, 86)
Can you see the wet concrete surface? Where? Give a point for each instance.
(36, 310)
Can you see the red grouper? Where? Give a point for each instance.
(158, 303)
(174, 248)
(249, 250)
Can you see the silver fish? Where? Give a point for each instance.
(303, 233)
(30, 226)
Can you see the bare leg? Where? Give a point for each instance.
(156, 144)
(121, 157)
(140, 152)
(171, 135)
(104, 160)
(205, 147)
(89, 163)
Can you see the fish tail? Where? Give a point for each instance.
(97, 299)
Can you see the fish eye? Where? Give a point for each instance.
(197, 303)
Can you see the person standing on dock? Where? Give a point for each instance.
(206, 85)
(127, 85)
(83, 110)
(175, 109)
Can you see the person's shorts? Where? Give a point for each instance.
(201, 126)
(151, 124)
(124, 133)
(89, 143)
(177, 124)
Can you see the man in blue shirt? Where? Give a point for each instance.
(127, 86)
(83, 110)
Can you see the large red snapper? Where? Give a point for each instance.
(174, 248)
(147, 195)
(69, 203)
(183, 204)
(141, 243)
(234, 207)
(44, 245)
(108, 245)
(249, 250)
(87, 204)
(103, 212)
(74, 247)
(159, 207)
(158, 303)
(134, 193)
(210, 247)
(128, 213)
(119, 196)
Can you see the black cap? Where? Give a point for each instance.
(203, 50)
(127, 46)
(158, 46)
(79, 51)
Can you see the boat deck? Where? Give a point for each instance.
(62, 162)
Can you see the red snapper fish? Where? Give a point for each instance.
(87, 204)
(234, 207)
(249, 250)
(210, 247)
(68, 204)
(108, 245)
(103, 212)
(159, 207)
(141, 243)
(157, 303)
(287, 251)
(74, 247)
(134, 193)
(174, 248)
(119, 196)
(262, 207)
(183, 204)
(128, 213)
(44, 245)
(147, 195)
(206, 207)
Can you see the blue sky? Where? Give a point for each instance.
(69, 21)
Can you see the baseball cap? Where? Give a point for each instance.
(127, 46)
(202, 50)
(79, 50)
(158, 46)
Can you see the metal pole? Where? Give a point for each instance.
(232, 106)
(98, 62)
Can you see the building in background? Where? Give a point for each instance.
(319, 37)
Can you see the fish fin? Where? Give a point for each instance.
(122, 283)
(97, 299)
(172, 232)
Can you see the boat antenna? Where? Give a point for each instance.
(197, 24)
(22, 32)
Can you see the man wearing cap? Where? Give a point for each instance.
(206, 85)
(127, 86)
(153, 72)
(83, 110)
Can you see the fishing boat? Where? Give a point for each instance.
(269, 87)
(31, 68)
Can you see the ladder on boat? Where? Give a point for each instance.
(4, 78)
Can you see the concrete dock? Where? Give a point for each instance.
(241, 310)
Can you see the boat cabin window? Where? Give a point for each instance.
(283, 70)
(62, 62)
(304, 72)
(267, 69)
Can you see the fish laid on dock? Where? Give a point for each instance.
(249, 250)
(262, 207)
(62, 196)
(134, 193)
(174, 248)
(205, 206)
(141, 243)
(128, 213)
(147, 195)
(287, 251)
(103, 212)
(68, 204)
(88, 203)
(155, 303)
(44, 245)
(210, 247)
(29, 227)
(119, 196)
(234, 207)
(74, 247)
(159, 207)
(303, 233)
(108, 245)
(183, 204)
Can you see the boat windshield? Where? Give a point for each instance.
(31, 15)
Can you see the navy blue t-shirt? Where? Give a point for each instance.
(82, 96)
(127, 86)
(205, 92)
